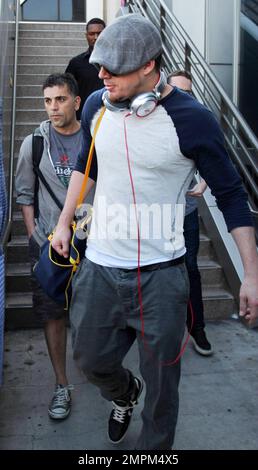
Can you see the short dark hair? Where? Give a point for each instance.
(62, 79)
(95, 21)
(158, 63)
(180, 73)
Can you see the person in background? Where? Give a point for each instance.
(133, 285)
(84, 72)
(183, 80)
(62, 138)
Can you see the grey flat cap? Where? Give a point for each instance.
(127, 44)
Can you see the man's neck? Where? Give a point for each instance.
(68, 130)
(153, 83)
(168, 88)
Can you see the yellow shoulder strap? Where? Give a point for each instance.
(90, 155)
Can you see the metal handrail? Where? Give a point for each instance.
(238, 135)
(7, 231)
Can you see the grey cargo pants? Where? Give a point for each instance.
(105, 321)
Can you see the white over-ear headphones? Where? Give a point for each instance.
(142, 105)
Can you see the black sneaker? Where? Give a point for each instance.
(201, 344)
(121, 414)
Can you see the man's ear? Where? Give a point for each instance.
(149, 67)
(77, 102)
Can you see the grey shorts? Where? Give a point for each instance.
(44, 308)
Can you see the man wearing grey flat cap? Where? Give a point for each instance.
(132, 284)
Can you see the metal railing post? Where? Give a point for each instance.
(11, 161)
(162, 23)
(223, 112)
(187, 57)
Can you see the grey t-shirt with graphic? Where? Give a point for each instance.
(64, 150)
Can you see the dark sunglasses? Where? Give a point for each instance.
(98, 67)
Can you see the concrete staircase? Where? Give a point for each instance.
(47, 48)
(218, 301)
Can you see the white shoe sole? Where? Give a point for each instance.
(201, 351)
(54, 416)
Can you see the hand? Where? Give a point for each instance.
(61, 240)
(198, 189)
(249, 300)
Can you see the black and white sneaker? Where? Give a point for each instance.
(61, 403)
(121, 414)
(201, 344)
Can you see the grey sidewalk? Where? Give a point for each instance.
(218, 407)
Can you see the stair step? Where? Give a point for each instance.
(53, 26)
(42, 68)
(18, 300)
(51, 51)
(27, 102)
(205, 249)
(32, 90)
(25, 128)
(19, 241)
(218, 303)
(76, 41)
(30, 115)
(211, 272)
(46, 58)
(211, 293)
(18, 277)
(17, 249)
(44, 34)
(18, 269)
(19, 311)
(31, 78)
(19, 227)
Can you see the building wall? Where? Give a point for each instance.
(220, 40)
(248, 92)
(111, 9)
(33, 10)
(106, 9)
(94, 8)
(191, 15)
(210, 25)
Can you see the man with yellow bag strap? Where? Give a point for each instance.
(61, 138)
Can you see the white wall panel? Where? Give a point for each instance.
(94, 8)
(220, 24)
(191, 15)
